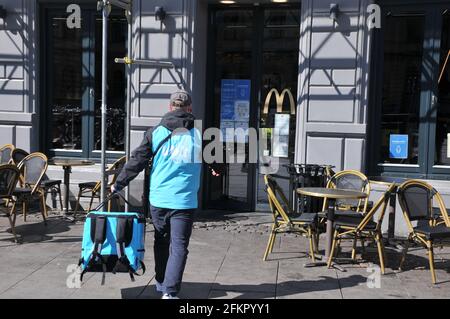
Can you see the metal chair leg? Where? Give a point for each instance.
(78, 204)
(13, 229)
(273, 242)
(380, 246)
(431, 261)
(44, 209)
(311, 245)
(355, 240)
(92, 201)
(24, 210)
(266, 253)
(333, 248)
(13, 213)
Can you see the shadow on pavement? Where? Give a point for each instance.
(37, 231)
(194, 290)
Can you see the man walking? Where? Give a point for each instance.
(174, 183)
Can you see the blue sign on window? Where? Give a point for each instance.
(398, 146)
(233, 93)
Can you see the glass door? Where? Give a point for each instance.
(71, 81)
(234, 70)
(254, 59)
(280, 56)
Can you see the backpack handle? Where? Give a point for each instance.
(108, 198)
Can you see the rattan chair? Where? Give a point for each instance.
(52, 186)
(18, 155)
(92, 189)
(32, 169)
(5, 153)
(349, 180)
(9, 176)
(367, 228)
(284, 222)
(416, 199)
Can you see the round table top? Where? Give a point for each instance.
(71, 162)
(335, 193)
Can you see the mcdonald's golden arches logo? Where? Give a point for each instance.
(279, 99)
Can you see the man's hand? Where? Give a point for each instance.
(214, 173)
(114, 189)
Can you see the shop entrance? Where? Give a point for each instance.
(253, 64)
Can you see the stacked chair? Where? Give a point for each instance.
(5, 153)
(32, 169)
(9, 177)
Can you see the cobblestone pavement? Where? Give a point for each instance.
(225, 261)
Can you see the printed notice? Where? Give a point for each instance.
(398, 146)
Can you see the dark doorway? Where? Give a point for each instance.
(254, 49)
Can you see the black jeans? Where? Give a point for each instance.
(173, 229)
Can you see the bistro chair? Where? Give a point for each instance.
(416, 199)
(5, 153)
(18, 155)
(9, 176)
(32, 169)
(349, 180)
(92, 189)
(305, 224)
(52, 186)
(367, 228)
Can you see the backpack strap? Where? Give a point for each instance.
(161, 144)
(98, 237)
(124, 233)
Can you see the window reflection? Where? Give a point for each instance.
(443, 114)
(67, 86)
(403, 52)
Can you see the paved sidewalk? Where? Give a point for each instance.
(225, 261)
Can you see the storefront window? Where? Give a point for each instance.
(403, 54)
(442, 156)
(72, 83)
(67, 75)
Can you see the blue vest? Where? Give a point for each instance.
(176, 170)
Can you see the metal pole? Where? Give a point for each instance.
(105, 11)
(128, 110)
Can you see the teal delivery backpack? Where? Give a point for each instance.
(113, 242)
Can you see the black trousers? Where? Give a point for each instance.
(173, 229)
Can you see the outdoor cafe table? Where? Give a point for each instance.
(67, 165)
(331, 194)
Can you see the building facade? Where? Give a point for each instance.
(369, 83)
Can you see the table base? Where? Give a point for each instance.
(324, 264)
